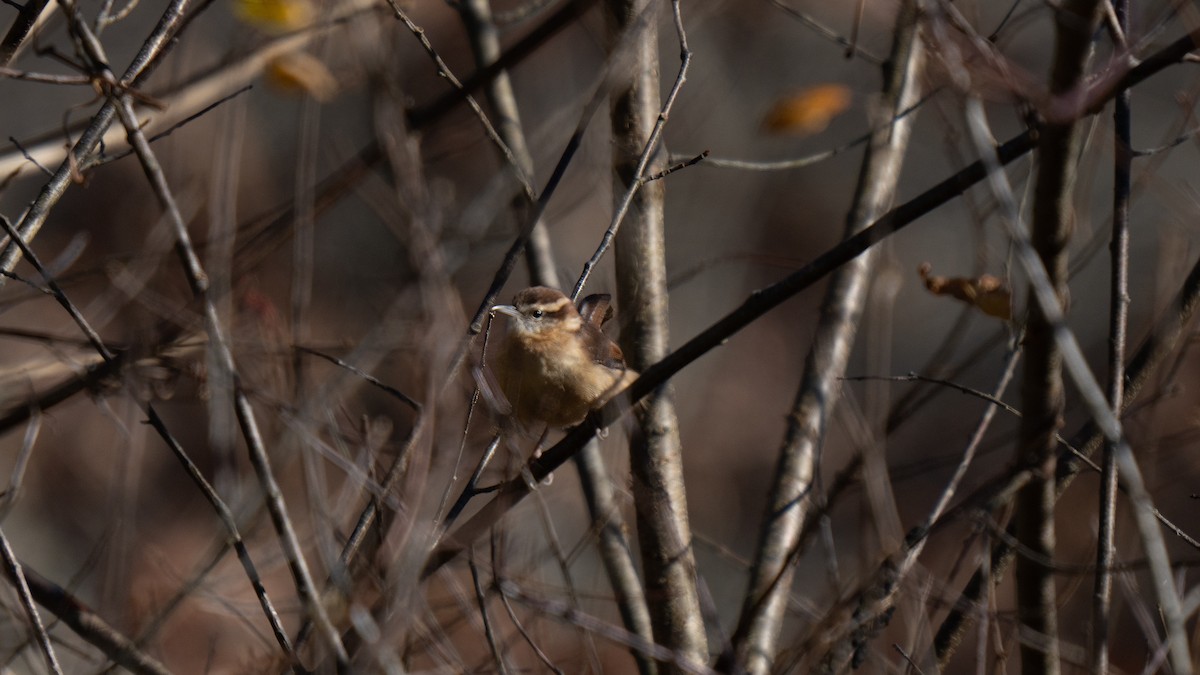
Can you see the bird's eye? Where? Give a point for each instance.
(537, 313)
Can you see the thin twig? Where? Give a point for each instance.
(676, 167)
(444, 70)
(1118, 326)
(472, 487)
(512, 616)
(57, 291)
(367, 377)
(651, 145)
(908, 659)
(815, 158)
(105, 159)
(32, 160)
(16, 574)
(90, 626)
(45, 78)
(913, 377)
(481, 599)
(1119, 317)
(603, 629)
(828, 33)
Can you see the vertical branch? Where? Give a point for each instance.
(597, 486)
(655, 452)
(485, 41)
(1042, 388)
(615, 551)
(1118, 320)
(841, 310)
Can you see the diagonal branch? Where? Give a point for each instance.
(21, 27)
(142, 65)
(16, 572)
(90, 626)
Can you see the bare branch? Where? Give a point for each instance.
(638, 118)
(791, 496)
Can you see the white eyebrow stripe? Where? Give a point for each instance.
(552, 307)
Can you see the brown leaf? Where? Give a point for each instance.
(988, 293)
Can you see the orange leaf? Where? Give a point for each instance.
(276, 16)
(299, 71)
(807, 111)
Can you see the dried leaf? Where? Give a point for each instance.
(302, 72)
(988, 293)
(276, 16)
(808, 111)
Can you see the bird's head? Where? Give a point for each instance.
(539, 312)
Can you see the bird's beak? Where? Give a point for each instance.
(505, 309)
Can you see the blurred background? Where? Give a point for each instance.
(332, 217)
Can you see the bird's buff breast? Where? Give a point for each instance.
(544, 389)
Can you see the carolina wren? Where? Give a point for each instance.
(555, 364)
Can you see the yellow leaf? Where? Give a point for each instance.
(299, 71)
(808, 111)
(276, 16)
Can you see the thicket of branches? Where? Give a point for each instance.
(909, 285)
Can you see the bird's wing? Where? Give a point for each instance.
(596, 309)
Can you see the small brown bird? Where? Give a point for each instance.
(555, 364)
